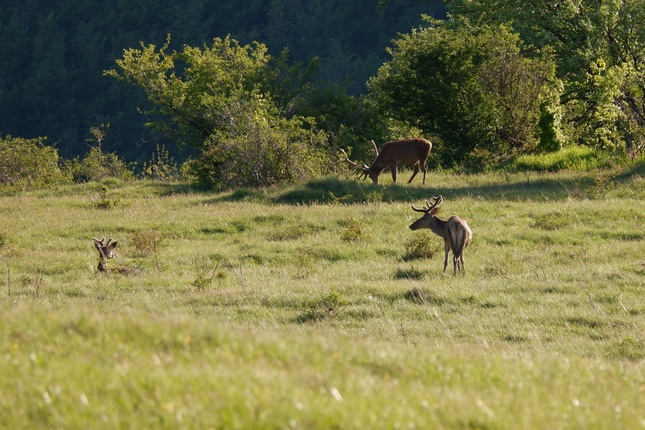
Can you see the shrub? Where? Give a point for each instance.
(28, 164)
(102, 200)
(97, 165)
(421, 246)
(147, 242)
(356, 231)
(162, 166)
(266, 153)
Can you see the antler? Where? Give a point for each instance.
(363, 171)
(347, 160)
(375, 148)
(437, 202)
(101, 246)
(100, 242)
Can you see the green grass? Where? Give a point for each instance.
(578, 158)
(315, 306)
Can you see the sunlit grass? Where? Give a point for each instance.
(579, 158)
(260, 309)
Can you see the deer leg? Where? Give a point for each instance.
(393, 169)
(425, 170)
(416, 170)
(445, 260)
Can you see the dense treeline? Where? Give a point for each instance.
(486, 88)
(53, 53)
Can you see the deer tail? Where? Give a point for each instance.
(457, 237)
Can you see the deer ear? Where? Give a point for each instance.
(112, 245)
(433, 211)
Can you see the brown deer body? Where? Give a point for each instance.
(455, 232)
(407, 152)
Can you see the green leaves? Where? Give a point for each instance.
(28, 164)
(598, 50)
(219, 99)
(198, 91)
(468, 85)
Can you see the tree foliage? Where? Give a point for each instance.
(497, 79)
(599, 51)
(469, 86)
(29, 164)
(198, 93)
(53, 53)
(216, 98)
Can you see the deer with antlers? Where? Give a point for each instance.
(455, 232)
(407, 152)
(107, 251)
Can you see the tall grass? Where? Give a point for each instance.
(579, 158)
(316, 307)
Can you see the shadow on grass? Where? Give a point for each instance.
(163, 188)
(334, 190)
(532, 186)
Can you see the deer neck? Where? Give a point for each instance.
(438, 226)
(102, 266)
(378, 165)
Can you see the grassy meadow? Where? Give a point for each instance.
(315, 306)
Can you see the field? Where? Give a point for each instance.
(316, 307)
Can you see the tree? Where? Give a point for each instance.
(470, 87)
(599, 50)
(215, 98)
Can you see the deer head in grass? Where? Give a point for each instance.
(106, 252)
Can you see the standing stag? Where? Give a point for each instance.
(407, 152)
(455, 232)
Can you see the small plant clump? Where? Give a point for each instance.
(421, 246)
(356, 231)
(161, 167)
(102, 200)
(147, 241)
(322, 309)
(552, 221)
(35, 284)
(206, 273)
(411, 273)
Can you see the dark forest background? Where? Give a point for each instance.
(53, 54)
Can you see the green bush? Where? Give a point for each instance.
(97, 165)
(267, 153)
(422, 245)
(29, 164)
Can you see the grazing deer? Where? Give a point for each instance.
(407, 152)
(455, 232)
